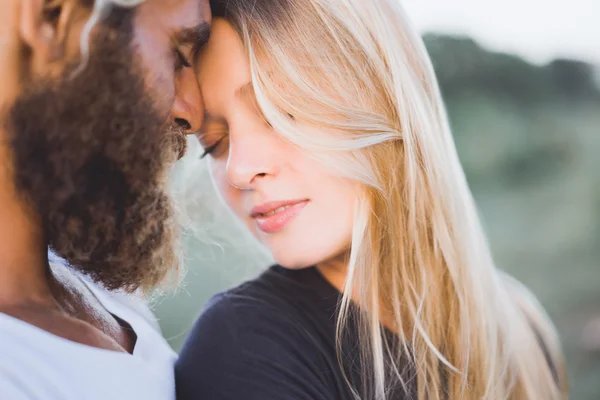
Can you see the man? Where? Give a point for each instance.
(95, 99)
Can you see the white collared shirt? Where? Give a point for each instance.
(37, 365)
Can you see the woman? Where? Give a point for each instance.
(326, 135)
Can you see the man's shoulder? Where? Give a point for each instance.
(37, 363)
(28, 328)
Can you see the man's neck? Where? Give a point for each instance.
(31, 291)
(23, 250)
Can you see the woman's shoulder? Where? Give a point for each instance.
(277, 298)
(274, 317)
(254, 339)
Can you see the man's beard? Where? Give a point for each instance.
(91, 155)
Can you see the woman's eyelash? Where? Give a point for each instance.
(212, 148)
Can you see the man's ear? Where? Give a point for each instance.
(45, 27)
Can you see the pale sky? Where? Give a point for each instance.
(539, 30)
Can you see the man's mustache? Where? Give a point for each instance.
(175, 137)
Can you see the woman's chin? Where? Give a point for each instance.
(289, 261)
(293, 264)
(291, 256)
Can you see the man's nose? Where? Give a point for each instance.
(188, 108)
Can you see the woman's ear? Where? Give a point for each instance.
(45, 26)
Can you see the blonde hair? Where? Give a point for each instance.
(419, 261)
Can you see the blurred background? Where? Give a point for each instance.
(521, 81)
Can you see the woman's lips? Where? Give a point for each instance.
(273, 217)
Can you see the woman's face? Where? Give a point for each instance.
(291, 203)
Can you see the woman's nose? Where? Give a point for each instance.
(253, 156)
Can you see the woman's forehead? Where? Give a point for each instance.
(223, 62)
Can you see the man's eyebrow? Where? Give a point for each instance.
(196, 36)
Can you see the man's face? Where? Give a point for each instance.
(90, 150)
(166, 31)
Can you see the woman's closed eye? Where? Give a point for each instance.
(213, 142)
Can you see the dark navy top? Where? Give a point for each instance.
(273, 338)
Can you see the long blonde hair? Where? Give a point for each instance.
(419, 262)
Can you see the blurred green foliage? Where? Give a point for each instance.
(529, 140)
